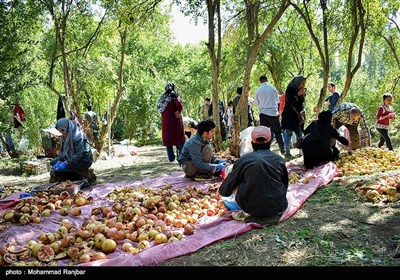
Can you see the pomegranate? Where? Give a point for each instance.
(76, 211)
(80, 201)
(64, 211)
(84, 258)
(125, 247)
(108, 246)
(160, 238)
(99, 256)
(188, 229)
(46, 253)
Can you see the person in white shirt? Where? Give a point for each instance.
(267, 99)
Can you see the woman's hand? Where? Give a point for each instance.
(178, 114)
(302, 91)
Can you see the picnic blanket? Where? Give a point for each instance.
(209, 229)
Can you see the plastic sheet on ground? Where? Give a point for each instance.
(210, 229)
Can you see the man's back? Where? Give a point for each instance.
(266, 98)
(262, 180)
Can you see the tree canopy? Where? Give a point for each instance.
(118, 55)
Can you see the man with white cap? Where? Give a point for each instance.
(259, 181)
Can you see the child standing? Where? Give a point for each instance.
(383, 117)
(230, 115)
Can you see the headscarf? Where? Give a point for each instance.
(325, 116)
(316, 130)
(74, 133)
(296, 81)
(170, 94)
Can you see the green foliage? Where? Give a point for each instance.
(152, 59)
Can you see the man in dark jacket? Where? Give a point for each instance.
(259, 181)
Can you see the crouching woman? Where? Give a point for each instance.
(317, 148)
(76, 154)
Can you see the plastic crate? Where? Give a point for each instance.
(363, 137)
(35, 167)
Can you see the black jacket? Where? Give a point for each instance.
(317, 147)
(262, 181)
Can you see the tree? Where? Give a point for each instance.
(357, 28)
(69, 47)
(255, 41)
(214, 10)
(20, 23)
(307, 14)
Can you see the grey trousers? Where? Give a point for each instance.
(191, 170)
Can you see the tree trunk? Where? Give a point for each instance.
(114, 107)
(213, 7)
(255, 42)
(358, 13)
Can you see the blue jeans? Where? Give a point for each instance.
(287, 137)
(171, 154)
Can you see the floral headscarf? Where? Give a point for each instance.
(170, 94)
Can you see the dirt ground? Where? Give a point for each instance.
(333, 228)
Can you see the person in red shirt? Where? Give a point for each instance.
(281, 104)
(383, 117)
(19, 117)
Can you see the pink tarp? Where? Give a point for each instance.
(208, 230)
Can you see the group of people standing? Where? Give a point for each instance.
(285, 116)
(287, 120)
(258, 180)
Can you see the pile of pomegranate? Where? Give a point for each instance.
(130, 220)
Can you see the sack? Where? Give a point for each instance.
(23, 145)
(299, 143)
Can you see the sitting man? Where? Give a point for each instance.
(75, 156)
(197, 158)
(259, 181)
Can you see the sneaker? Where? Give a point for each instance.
(203, 177)
(240, 216)
(289, 157)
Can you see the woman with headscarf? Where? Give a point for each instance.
(170, 107)
(293, 115)
(316, 145)
(76, 154)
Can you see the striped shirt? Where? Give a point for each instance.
(341, 113)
